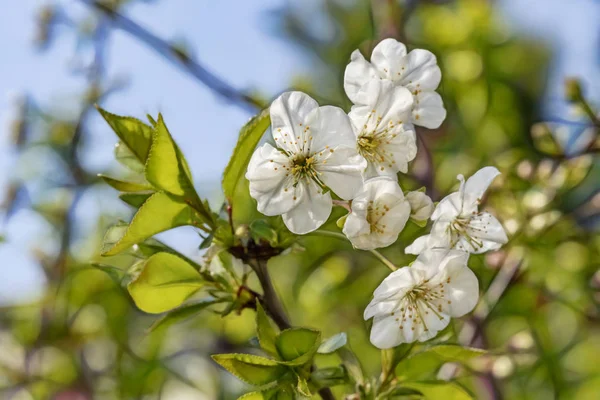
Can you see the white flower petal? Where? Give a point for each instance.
(329, 127)
(385, 333)
(311, 210)
(389, 56)
(391, 104)
(288, 116)
(377, 307)
(449, 207)
(358, 72)
(396, 283)
(382, 207)
(341, 170)
(421, 205)
(428, 110)
(463, 289)
(479, 182)
(421, 71)
(488, 231)
(418, 246)
(433, 321)
(267, 175)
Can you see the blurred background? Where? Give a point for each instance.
(521, 83)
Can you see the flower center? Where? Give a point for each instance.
(375, 212)
(302, 167)
(419, 302)
(460, 227)
(371, 144)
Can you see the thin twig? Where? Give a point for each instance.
(183, 60)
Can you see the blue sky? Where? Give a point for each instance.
(235, 39)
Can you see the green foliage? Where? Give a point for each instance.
(454, 353)
(134, 134)
(297, 346)
(439, 390)
(166, 168)
(159, 213)
(123, 186)
(265, 330)
(182, 313)
(249, 137)
(251, 369)
(164, 282)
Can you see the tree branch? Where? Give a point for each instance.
(179, 58)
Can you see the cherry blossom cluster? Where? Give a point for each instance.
(320, 154)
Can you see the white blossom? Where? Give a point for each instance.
(315, 150)
(417, 71)
(416, 302)
(379, 213)
(458, 223)
(421, 205)
(384, 137)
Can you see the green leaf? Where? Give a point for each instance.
(333, 343)
(439, 390)
(159, 213)
(302, 387)
(266, 332)
(352, 364)
(135, 134)
(182, 313)
(328, 377)
(164, 283)
(420, 223)
(123, 186)
(116, 274)
(166, 167)
(249, 137)
(260, 229)
(251, 369)
(297, 346)
(128, 159)
(277, 393)
(135, 199)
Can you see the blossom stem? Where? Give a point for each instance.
(274, 307)
(384, 260)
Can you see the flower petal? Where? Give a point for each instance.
(418, 246)
(288, 116)
(421, 71)
(389, 57)
(358, 72)
(391, 104)
(487, 231)
(397, 283)
(329, 127)
(428, 110)
(449, 207)
(478, 183)
(311, 211)
(421, 205)
(341, 170)
(385, 333)
(268, 182)
(463, 290)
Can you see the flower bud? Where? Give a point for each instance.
(421, 205)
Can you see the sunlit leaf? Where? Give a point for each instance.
(436, 390)
(302, 387)
(455, 353)
(123, 186)
(328, 377)
(128, 159)
(297, 346)
(135, 134)
(333, 343)
(182, 313)
(265, 330)
(166, 167)
(135, 200)
(159, 213)
(251, 369)
(164, 283)
(249, 137)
